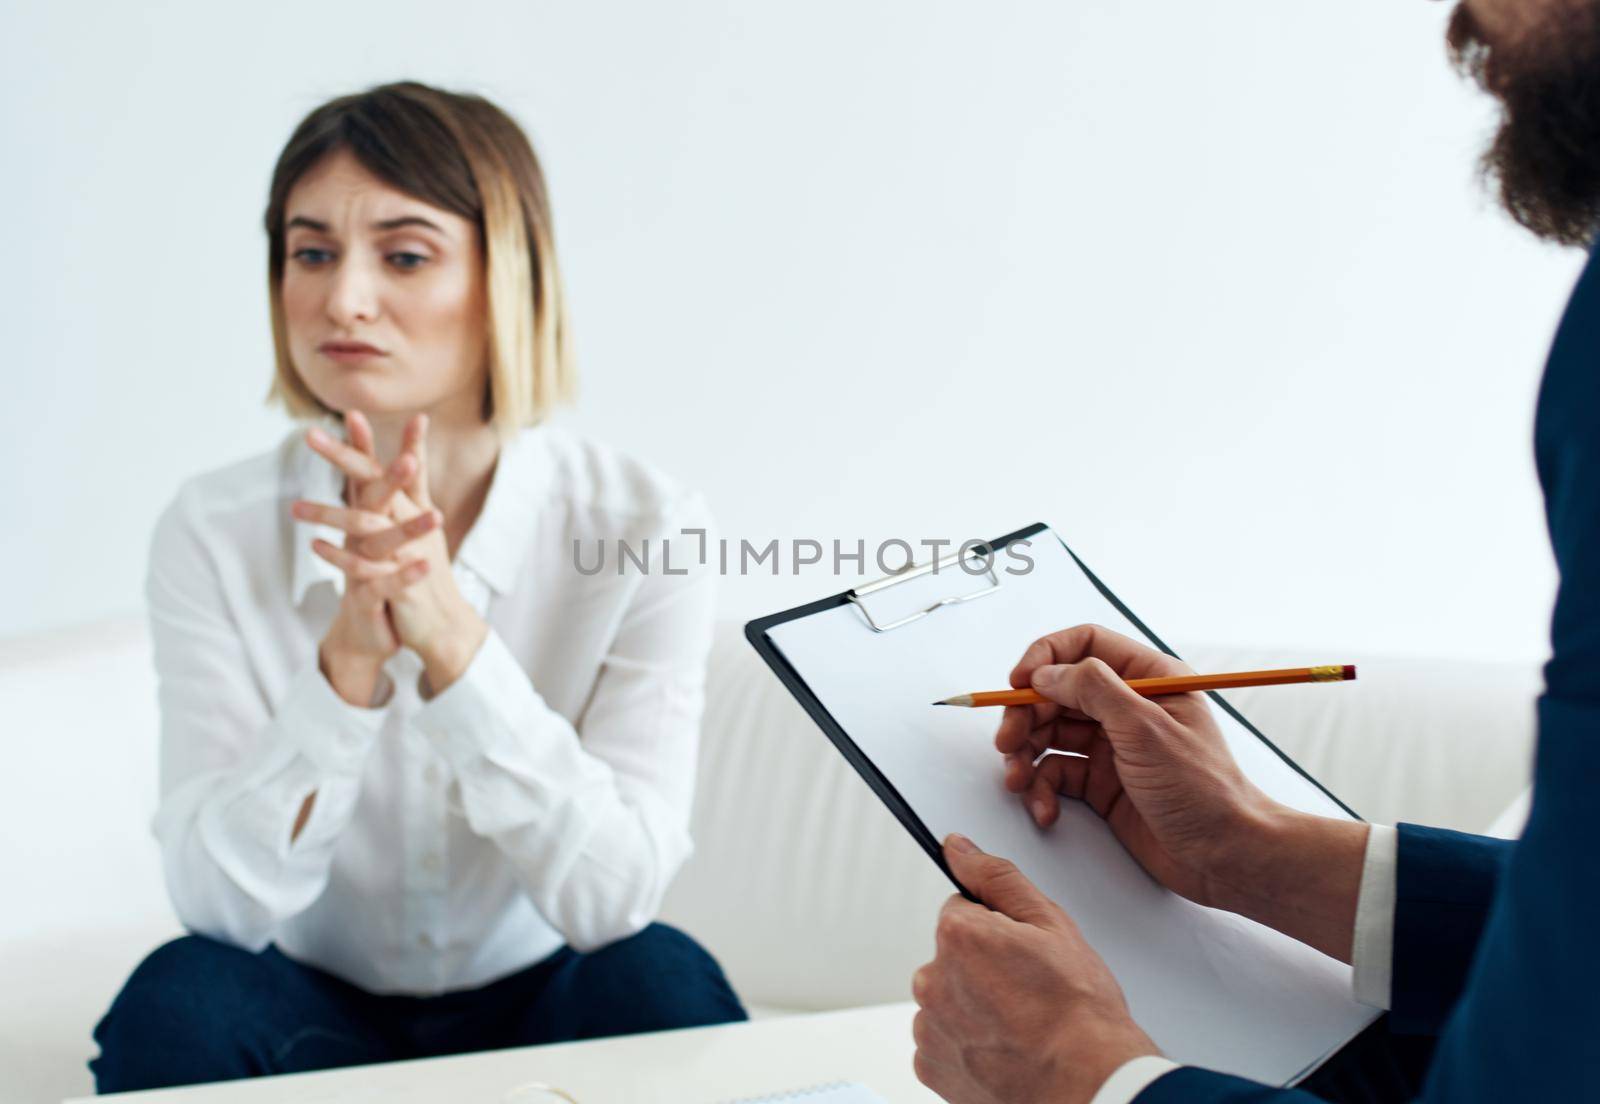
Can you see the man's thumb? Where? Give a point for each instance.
(1045, 677)
(999, 884)
(1090, 687)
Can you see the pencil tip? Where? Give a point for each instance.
(941, 703)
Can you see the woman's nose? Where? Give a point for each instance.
(352, 294)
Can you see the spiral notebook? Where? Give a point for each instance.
(1211, 988)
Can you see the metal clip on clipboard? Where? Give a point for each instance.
(912, 571)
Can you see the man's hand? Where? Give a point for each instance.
(1159, 772)
(1156, 769)
(1016, 1007)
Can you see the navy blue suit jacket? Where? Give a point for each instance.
(1497, 945)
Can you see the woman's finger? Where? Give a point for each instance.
(392, 584)
(415, 444)
(360, 433)
(396, 478)
(355, 567)
(382, 546)
(357, 523)
(353, 462)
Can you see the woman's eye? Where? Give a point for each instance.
(311, 256)
(407, 261)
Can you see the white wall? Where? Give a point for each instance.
(1210, 288)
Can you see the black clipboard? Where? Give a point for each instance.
(756, 632)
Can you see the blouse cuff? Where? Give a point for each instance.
(466, 718)
(1132, 1078)
(1372, 953)
(335, 735)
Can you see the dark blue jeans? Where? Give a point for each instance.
(199, 1010)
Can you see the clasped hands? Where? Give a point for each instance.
(399, 590)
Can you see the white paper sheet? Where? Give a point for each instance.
(1211, 988)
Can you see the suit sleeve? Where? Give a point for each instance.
(1444, 886)
(1526, 1025)
(1193, 1085)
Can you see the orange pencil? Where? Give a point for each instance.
(1177, 684)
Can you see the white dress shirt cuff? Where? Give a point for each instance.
(335, 735)
(467, 718)
(1372, 953)
(1132, 1078)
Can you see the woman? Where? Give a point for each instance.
(424, 783)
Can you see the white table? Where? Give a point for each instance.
(701, 1065)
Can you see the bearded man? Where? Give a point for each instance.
(1486, 953)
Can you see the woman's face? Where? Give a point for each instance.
(383, 295)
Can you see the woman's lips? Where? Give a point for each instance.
(349, 352)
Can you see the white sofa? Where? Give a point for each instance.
(803, 885)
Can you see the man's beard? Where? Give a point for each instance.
(1545, 158)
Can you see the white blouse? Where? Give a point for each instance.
(543, 798)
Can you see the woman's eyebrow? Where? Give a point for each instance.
(407, 220)
(321, 227)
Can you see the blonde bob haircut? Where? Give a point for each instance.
(463, 154)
